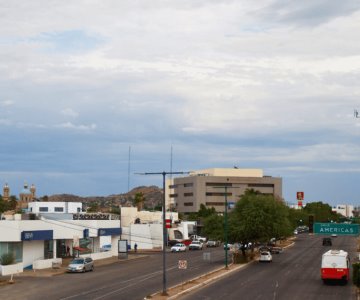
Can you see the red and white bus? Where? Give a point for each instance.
(335, 265)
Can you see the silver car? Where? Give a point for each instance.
(81, 264)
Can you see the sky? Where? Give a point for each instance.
(94, 91)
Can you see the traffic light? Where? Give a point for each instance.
(311, 224)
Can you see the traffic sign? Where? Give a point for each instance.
(182, 264)
(336, 228)
(168, 223)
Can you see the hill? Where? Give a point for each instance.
(152, 195)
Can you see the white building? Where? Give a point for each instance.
(55, 207)
(344, 209)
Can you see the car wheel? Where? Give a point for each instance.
(83, 270)
(92, 268)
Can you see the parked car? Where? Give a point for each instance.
(105, 248)
(276, 250)
(179, 247)
(195, 237)
(228, 246)
(81, 264)
(196, 245)
(265, 256)
(327, 241)
(212, 243)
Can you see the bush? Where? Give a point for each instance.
(356, 274)
(7, 259)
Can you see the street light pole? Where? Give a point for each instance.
(226, 221)
(226, 230)
(164, 292)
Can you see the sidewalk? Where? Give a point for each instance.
(65, 262)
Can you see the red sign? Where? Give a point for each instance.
(300, 196)
(167, 223)
(300, 203)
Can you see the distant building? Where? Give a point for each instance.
(6, 192)
(55, 207)
(344, 209)
(207, 187)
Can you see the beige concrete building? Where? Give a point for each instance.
(207, 187)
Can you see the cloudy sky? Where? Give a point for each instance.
(268, 84)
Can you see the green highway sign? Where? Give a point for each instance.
(335, 228)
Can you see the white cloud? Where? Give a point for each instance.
(69, 125)
(6, 103)
(69, 112)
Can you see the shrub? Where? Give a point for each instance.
(356, 274)
(7, 259)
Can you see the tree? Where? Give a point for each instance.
(12, 203)
(213, 227)
(93, 207)
(258, 218)
(139, 200)
(322, 212)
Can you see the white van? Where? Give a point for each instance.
(335, 265)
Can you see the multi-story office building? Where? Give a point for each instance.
(207, 187)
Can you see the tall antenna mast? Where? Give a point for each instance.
(129, 169)
(171, 158)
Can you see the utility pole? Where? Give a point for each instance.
(164, 292)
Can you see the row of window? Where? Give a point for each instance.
(173, 186)
(46, 209)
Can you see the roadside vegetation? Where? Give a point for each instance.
(257, 218)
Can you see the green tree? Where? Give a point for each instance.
(12, 204)
(139, 200)
(298, 217)
(93, 207)
(321, 211)
(258, 218)
(213, 227)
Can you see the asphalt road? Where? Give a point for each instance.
(293, 274)
(133, 279)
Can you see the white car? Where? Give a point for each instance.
(265, 256)
(196, 245)
(179, 247)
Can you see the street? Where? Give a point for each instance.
(133, 279)
(293, 274)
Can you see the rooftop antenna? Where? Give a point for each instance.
(171, 158)
(129, 169)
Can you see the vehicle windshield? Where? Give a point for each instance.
(77, 261)
(178, 245)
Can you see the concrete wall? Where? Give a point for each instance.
(130, 214)
(146, 236)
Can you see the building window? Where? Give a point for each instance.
(173, 195)
(15, 248)
(259, 185)
(43, 209)
(59, 209)
(188, 184)
(215, 203)
(188, 194)
(218, 184)
(188, 204)
(173, 186)
(218, 194)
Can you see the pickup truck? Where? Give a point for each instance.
(198, 238)
(196, 245)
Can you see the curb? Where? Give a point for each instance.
(208, 281)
